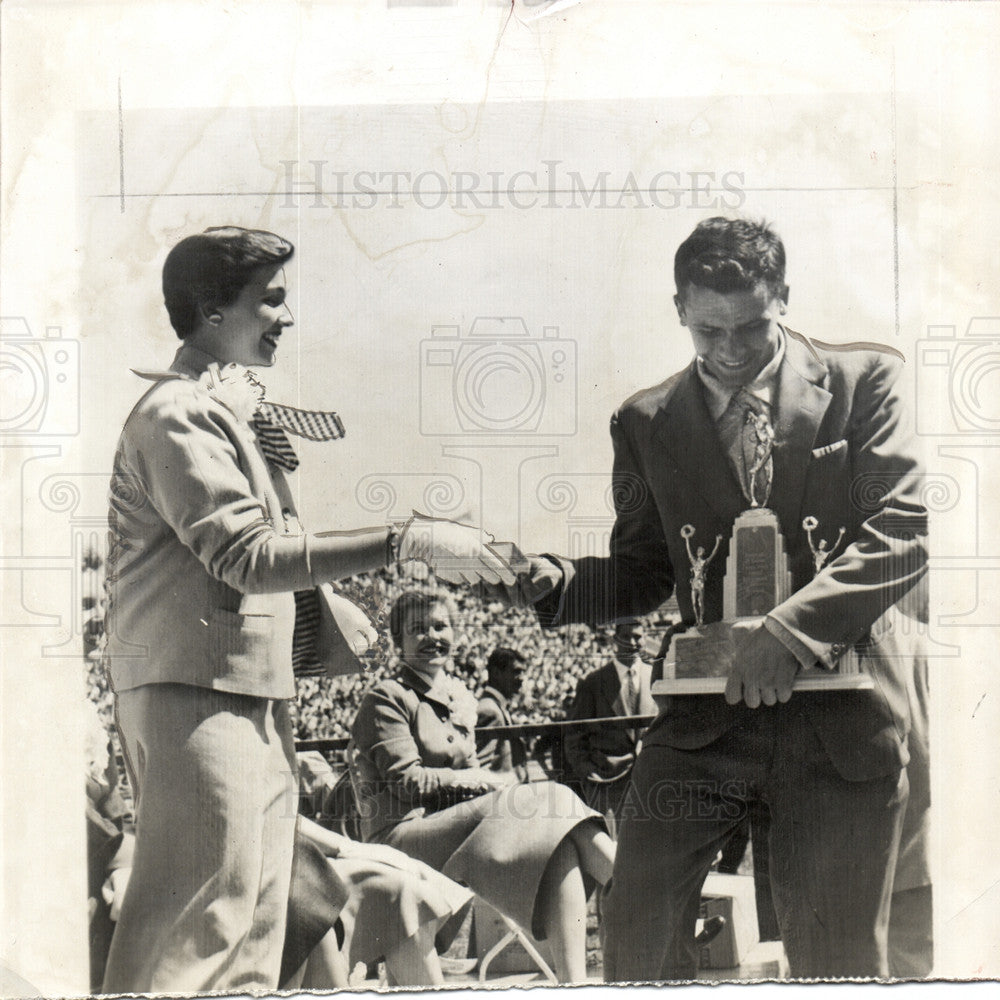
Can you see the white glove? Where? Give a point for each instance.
(354, 623)
(456, 552)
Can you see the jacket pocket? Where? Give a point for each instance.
(240, 644)
(828, 475)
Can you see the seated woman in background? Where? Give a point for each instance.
(354, 903)
(532, 851)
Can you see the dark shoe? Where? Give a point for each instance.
(710, 930)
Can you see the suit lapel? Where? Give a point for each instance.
(801, 403)
(646, 704)
(685, 429)
(500, 702)
(612, 689)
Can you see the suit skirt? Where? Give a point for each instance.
(387, 904)
(372, 905)
(498, 844)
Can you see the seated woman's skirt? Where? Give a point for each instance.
(388, 904)
(498, 844)
(373, 906)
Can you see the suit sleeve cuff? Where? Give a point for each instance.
(808, 653)
(550, 609)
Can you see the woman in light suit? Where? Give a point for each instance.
(205, 553)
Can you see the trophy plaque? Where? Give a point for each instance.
(757, 579)
(757, 575)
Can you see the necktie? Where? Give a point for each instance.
(745, 431)
(304, 659)
(631, 691)
(274, 419)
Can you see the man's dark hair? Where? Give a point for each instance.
(502, 659)
(730, 255)
(211, 269)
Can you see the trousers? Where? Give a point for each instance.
(214, 782)
(832, 850)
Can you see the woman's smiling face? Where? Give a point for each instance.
(427, 638)
(253, 323)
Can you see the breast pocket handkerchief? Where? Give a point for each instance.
(829, 449)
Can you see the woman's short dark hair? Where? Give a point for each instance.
(420, 601)
(211, 269)
(730, 255)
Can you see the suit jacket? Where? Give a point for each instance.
(505, 753)
(609, 751)
(408, 755)
(844, 455)
(205, 548)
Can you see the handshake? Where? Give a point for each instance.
(461, 553)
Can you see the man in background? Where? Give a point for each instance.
(505, 675)
(601, 757)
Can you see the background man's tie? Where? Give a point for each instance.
(631, 691)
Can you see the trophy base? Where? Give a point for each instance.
(807, 680)
(702, 658)
(707, 650)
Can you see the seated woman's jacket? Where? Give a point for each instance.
(412, 748)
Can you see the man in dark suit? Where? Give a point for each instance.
(505, 674)
(601, 757)
(830, 766)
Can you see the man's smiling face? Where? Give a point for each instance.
(734, 333)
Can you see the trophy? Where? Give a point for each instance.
(757, 579)
(819, 550)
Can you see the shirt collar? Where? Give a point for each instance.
(500, 699)
(622, 668)
(763, 386)
(189, 362)
(412, 679)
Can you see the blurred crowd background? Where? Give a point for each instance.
(325, 707)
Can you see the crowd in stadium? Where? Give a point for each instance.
(325, 707)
